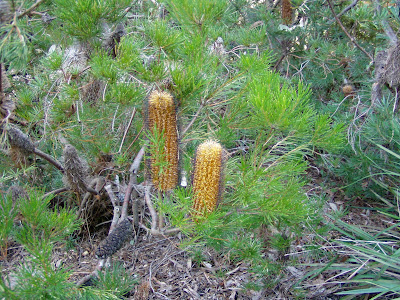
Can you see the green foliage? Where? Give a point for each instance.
(103, 67)
(13, 45)
(199, 15)
(373, 260)
(163, 36)
(156, 149)
(41, 228)
(271, 95)
(7, 215)
(116, 281)
(83, 18)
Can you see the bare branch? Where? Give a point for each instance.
(352, 39)
(193, 120)
(345, 10)
(136, 162)
(29, 10)
(111, 194)
(49, 158)
(153, 213)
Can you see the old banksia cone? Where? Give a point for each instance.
(115, 240)
(75, 175)
(161, 121)
(208, 176)
(21, 146)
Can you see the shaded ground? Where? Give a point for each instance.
(166, 271)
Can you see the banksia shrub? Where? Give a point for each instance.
(208, 176)
(115, 240)
(75, 170)
(162, 125)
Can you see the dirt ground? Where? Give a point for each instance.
(166, 271)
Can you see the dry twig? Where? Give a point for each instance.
(352, 39)
(345, 10)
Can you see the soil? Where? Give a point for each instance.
(164, 270)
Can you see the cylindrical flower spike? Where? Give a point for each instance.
(161, 116)
(208, 176)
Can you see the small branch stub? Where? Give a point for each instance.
(208, 176)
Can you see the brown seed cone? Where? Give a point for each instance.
(21, 147)
(208, 176)
(20, 140)
(115, 240)
(286, 12)
(75, 170)
(16, 192)
(161, 114)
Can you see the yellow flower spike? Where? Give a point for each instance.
(208, 176)
(161, 115)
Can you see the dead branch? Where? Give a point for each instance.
(55, 192)
(29, 10)
(153, 213)
(352, 39)
(49, 158)
(100, 264)
(136, 162)
(345, 10)
(111, 194)
(127, 129)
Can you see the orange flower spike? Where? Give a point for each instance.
(208, 176)
(162, 116)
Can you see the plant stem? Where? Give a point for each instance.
(352, 39)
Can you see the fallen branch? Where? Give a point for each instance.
(101, 262)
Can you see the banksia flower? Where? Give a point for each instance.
(208, 176)
(161, 117)
(75, 170)
(115, 240)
